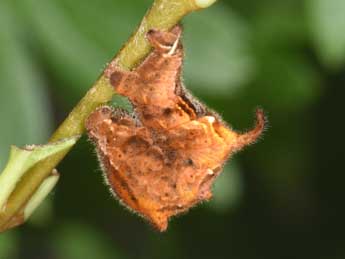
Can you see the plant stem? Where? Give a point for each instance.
(163, 15)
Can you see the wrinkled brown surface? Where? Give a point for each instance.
(163, 159)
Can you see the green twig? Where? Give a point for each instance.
(164, 14)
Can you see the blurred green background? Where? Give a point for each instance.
(280, 198)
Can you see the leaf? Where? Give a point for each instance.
(24, 110)
(42, 192)
(22, 159)
(327, 23)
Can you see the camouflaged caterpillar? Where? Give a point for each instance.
(163, 160)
